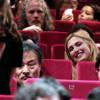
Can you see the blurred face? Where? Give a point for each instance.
(74, 4)
(78, 49)
(34, 13)
(86, 13)
(30, 68)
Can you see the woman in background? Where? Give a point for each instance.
(90, 12)
(80, 46)
(10, 47)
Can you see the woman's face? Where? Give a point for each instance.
(78, 49)
(87, 13)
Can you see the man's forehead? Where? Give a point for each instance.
(34, 3)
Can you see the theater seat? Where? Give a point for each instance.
(63, 26)
(97, 37)
(7, 97)
(94, 25)
(86, 71)
(57, 51)
(44, 50)
(52, 37)
(27, 34)
(59, 69)
(79, 88)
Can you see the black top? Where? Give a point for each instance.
(12, 58)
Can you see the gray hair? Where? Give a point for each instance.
(36, 90)
(29, 45)
(47, 25)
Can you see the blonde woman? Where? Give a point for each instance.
(79, 46)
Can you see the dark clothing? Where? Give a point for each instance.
(51, 4)
(12, 58)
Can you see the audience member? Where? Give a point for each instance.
(11, 46)
(35, 16)
(94, 94)
(79, 46)
(63, 93)
(90, 12)
(14, 6)
(68, 13)
(98, 65)
(37, 91)
(70, 4)
(31, 66)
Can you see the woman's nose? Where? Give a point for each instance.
(76, 49)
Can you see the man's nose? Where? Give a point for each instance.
(36, 14)
(25, 69)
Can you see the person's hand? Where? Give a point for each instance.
(67, 17)
(33, 28)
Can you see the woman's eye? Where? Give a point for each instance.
(78, 44)
(88, 13)
(70, 49)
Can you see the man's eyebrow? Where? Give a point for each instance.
(30, 61)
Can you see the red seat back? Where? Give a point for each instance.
(57, 51)
(63, 26)
(28, 34)
(94, 25)
(97, 37)
(44, 49)
(7, 97)
(86, 71)
(60, 69)
(52, 37)
(76, 14)
(79, 88)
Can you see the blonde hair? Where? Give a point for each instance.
(88, 40)
(7, 21)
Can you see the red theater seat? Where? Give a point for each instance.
(79, 88)
(86, 71)
(7, 97)
(97, 37)
(52, 37)
(94, 25)
(63, 26)
(57, 51)
(44, 50)
(28, 34)
(59, 69)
